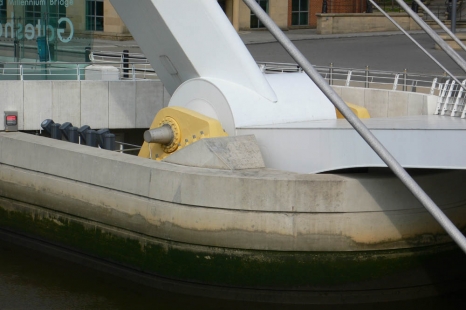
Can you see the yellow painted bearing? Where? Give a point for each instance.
(173, 146)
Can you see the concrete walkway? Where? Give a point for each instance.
(262, 36)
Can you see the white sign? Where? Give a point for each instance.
(31, 32)
(26, 2)
(65, 3)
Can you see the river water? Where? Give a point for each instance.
(33, 280)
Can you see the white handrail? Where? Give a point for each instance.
(135, 71)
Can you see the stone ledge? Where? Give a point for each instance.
(113, 36)
(449, 40)
(333, 23)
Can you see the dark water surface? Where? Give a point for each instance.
(32, 280)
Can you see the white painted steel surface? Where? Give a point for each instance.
(202, 61)
(186, 39)
(235, 106)
(415, 141)
(188, 49)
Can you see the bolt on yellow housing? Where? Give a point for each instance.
(187, 127)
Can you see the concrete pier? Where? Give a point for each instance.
(249, 228)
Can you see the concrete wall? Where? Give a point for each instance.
(315, 6)
(449, 40)
(75, 12)
(257, 209)
(230, 228)
(278, 10)
(388, 103)
(244, 16)
(330, 23)
(127, 104)
(99, 104)
(112, 21)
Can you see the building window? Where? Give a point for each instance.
(255, 22)
(300, 12)
(95, 15)
(32, 14)
(2, 11)
(57, 12)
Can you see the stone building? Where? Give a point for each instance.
(286, 13)
(99, 19)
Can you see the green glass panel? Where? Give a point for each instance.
(264, 5)
(295, 19)
(254, 21)
(3, 8)
(303, 18)
(90, 25)
(304, 6)
(62, 10)
(99, 8)
(3, 12)
(62, 41)
(90, 8)
(295, 5)
(99, 23)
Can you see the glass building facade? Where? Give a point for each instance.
(95, 15)
(299, 12)
(61, 30)
(43, 30)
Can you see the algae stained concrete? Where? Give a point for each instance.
(249, 209)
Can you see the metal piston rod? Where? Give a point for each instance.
(365, 133)
(163, 135)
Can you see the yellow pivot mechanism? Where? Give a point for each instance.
(174, 128)
(360, 112)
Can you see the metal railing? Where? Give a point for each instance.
(442, 11)
(451, 100)
(366, 78)
(75, 71)
(137, 67)
(131, 65)
(122, 149)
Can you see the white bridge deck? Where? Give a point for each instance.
(428, 141)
